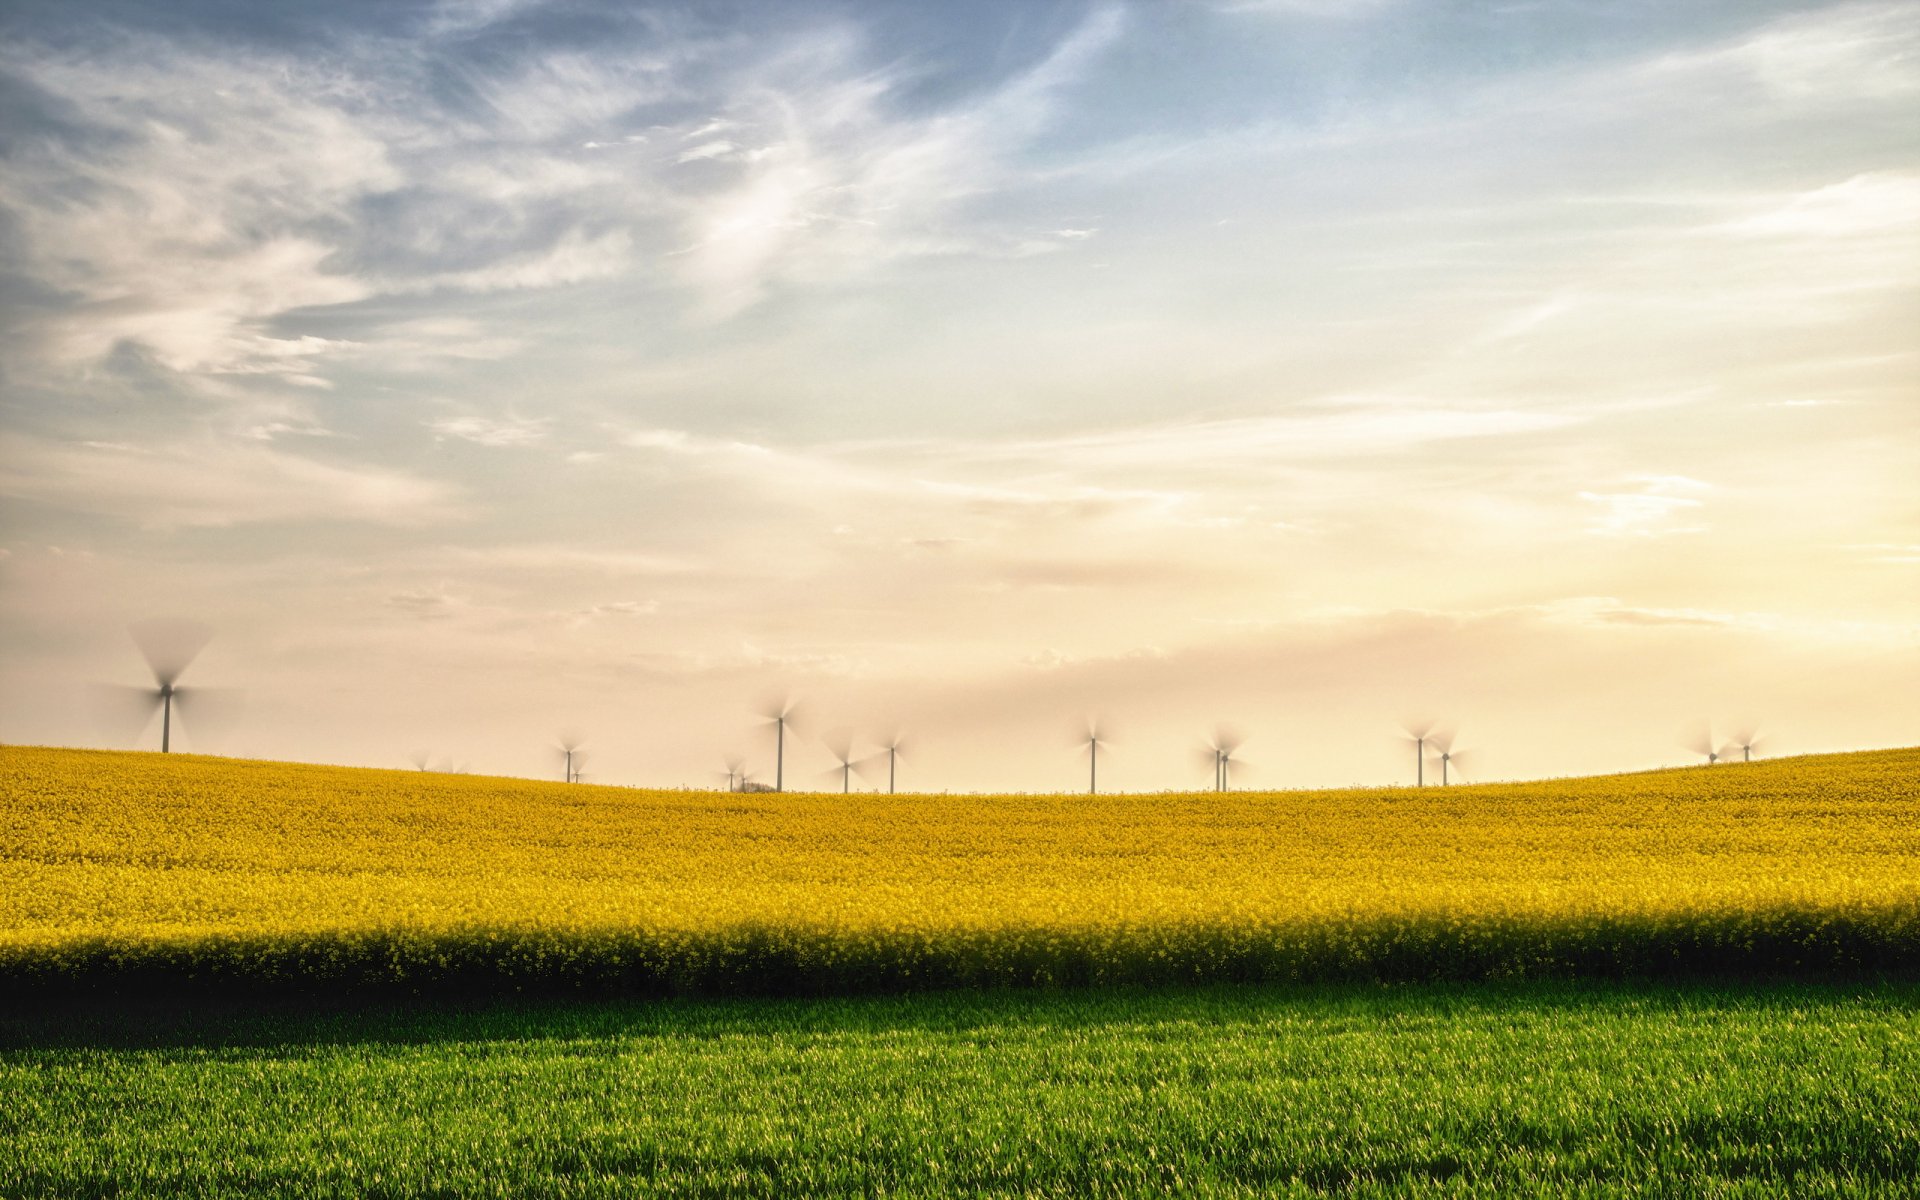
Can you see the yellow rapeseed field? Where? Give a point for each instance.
(141, 867)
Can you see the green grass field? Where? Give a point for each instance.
(1563, 1089)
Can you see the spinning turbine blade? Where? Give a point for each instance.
(122, 713)
(208, 714)
(170, 645)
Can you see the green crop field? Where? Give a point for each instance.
(1562, 1089)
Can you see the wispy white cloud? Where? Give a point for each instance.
(680, 442)
(1318, 10)
(560, 558)
(1658, 506)
(189, 215)
(213, 483)
(1891, 553)
(493, 431)
(718, 148)
(1865, 205)
(1355, 426)
(840, 181)
(428, 604)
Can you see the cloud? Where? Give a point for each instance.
(1316, 10)
(188, 198)
(1335, 427)
(181, 203)
(1653, 509)
(213, 483)
(493, 431)
(427, 604)
(1848, 50)
(576, 257)
(688, 445)
(843, 181)
(1864, 205)
(719, 148)
(1890, 553)
(617, 608)
(1340, 426)
(554, 560)
(1607, 610)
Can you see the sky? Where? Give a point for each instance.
(492, 371)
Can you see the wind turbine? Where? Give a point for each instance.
(1704, 745)
(780, 714)
(572, 757)
(841, 743)
(890, 749)
(736, 774)
(1447, 756)
(1093, 741)
(169, 646)
(1219, 750)
(1745, 742)
(1419, 733)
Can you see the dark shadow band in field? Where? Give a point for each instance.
(296, 1026)
(802, 960)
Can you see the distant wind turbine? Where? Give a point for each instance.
(781, 715)
(841, 743)
(572, 757)
(169, 646)
(1447, 756)
(1093, 740)
(1419, 733)
(890, 750)
(1746, 741)
(1220, 751)
(1704, 745)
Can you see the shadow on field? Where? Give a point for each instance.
(1329, 1009)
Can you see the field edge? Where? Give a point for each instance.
(1777, 941)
